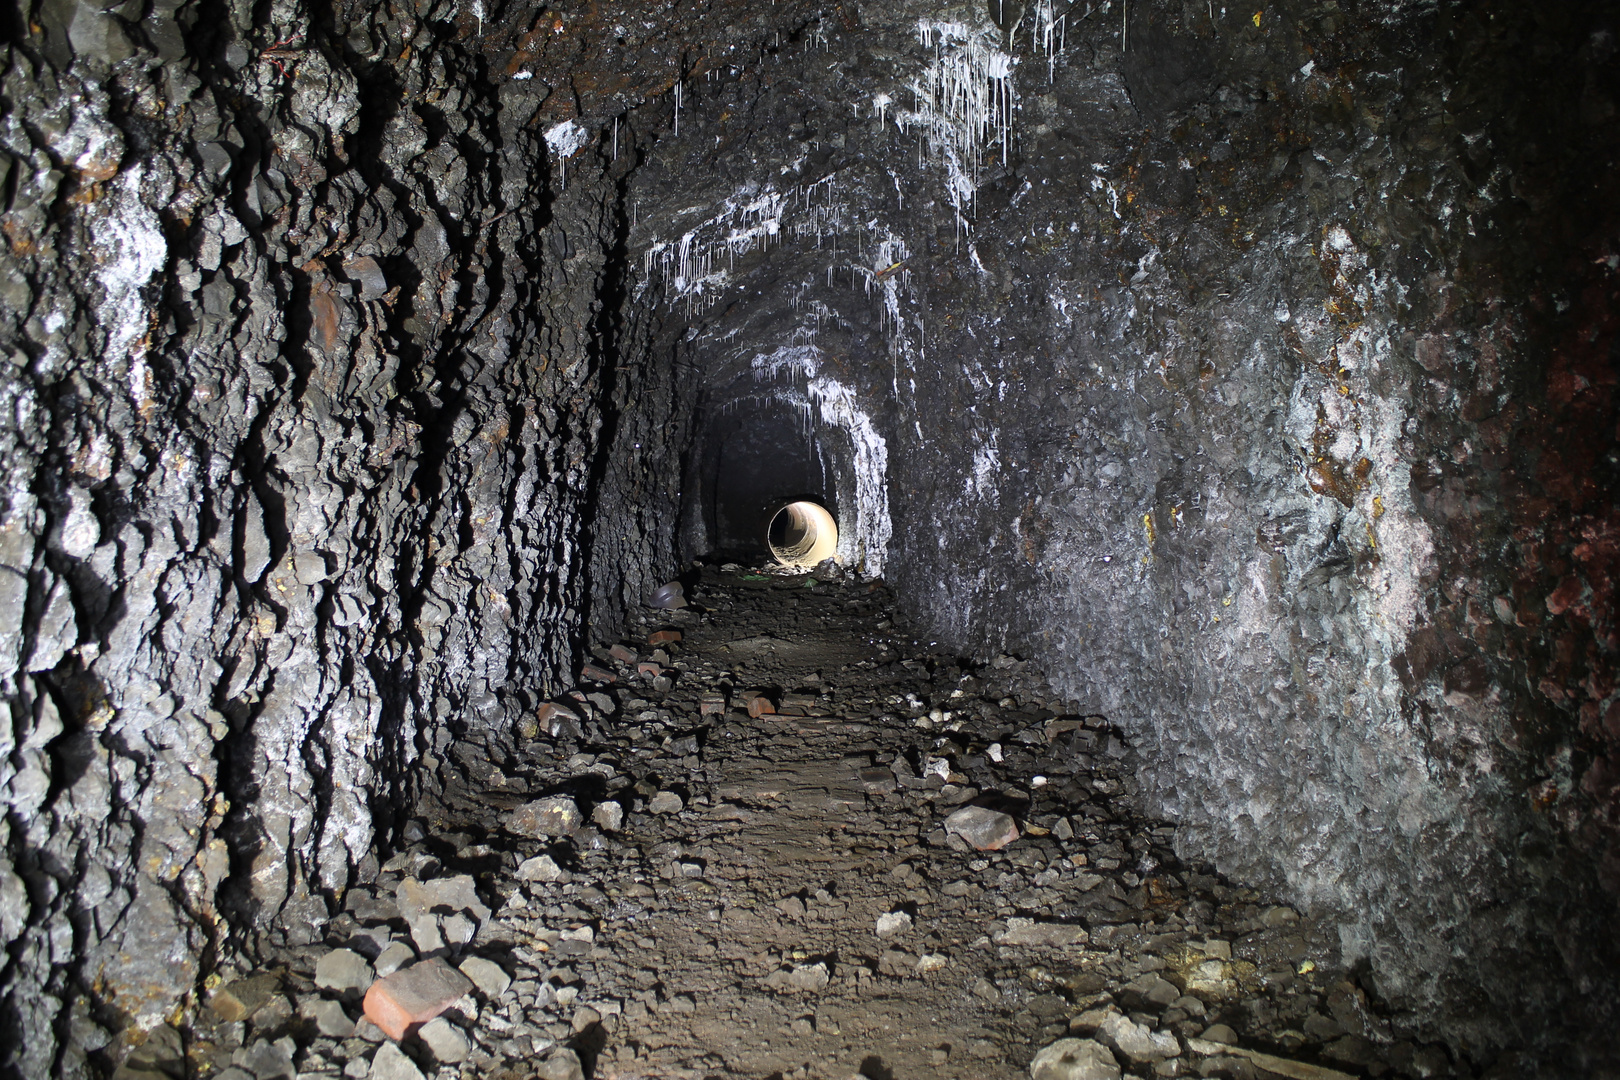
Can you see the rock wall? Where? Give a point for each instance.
(305, 401)
(1289, 403)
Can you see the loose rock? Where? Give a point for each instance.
(897, 922)
(665, 802)
(540, 868)
(342, 969)
(982, 828)
(1137, 1041)
(556, 816)
(446, 1041)
(1074, 1059)
(244, 997)
(487, 975)
(392, 1064)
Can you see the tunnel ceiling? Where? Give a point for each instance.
(1252, 370)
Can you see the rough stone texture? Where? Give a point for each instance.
(487, 975)
(1051, 935)
(304, 403)
(1137, 1042)
(1255, 376)
(554, 816)
(1261, 391)
(448, 1044)
(985, 829)
(448, 894)
(342, 969)
(392, 1064)
(1074, 1059)
(239, 1000)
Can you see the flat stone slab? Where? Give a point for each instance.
(804, 785)
(244, 997)
(343, 969)
(419, 898)
(490, 978)
(1295, 1070)
(1053, 935)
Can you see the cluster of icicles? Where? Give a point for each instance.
(963, 105)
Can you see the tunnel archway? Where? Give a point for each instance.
(392, 368)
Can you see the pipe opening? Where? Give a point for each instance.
(802, 534)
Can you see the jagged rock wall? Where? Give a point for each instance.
(1256, 379)
(304, 407)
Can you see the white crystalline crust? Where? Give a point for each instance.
(130, 240)
(566, 138)
(963, 105)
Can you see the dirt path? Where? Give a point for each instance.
(677, 888)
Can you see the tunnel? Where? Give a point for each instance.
(927, 539)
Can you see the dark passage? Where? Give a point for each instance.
(1214, 410)
(760, 460)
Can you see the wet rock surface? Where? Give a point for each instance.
(805, 912)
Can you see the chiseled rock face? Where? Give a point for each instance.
(301, 420)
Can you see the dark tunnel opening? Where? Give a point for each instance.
(759, 454)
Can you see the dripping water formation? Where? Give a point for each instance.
(809, 540)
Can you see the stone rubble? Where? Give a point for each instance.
(673, 893)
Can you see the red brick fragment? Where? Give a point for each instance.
(647, 667)
(663, 637)
(414, 995)
(592, 673)
(623, 653)
(760, 705)
(713, 705)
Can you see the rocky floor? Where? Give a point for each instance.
(745, 847)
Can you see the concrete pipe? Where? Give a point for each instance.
(802, 534)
